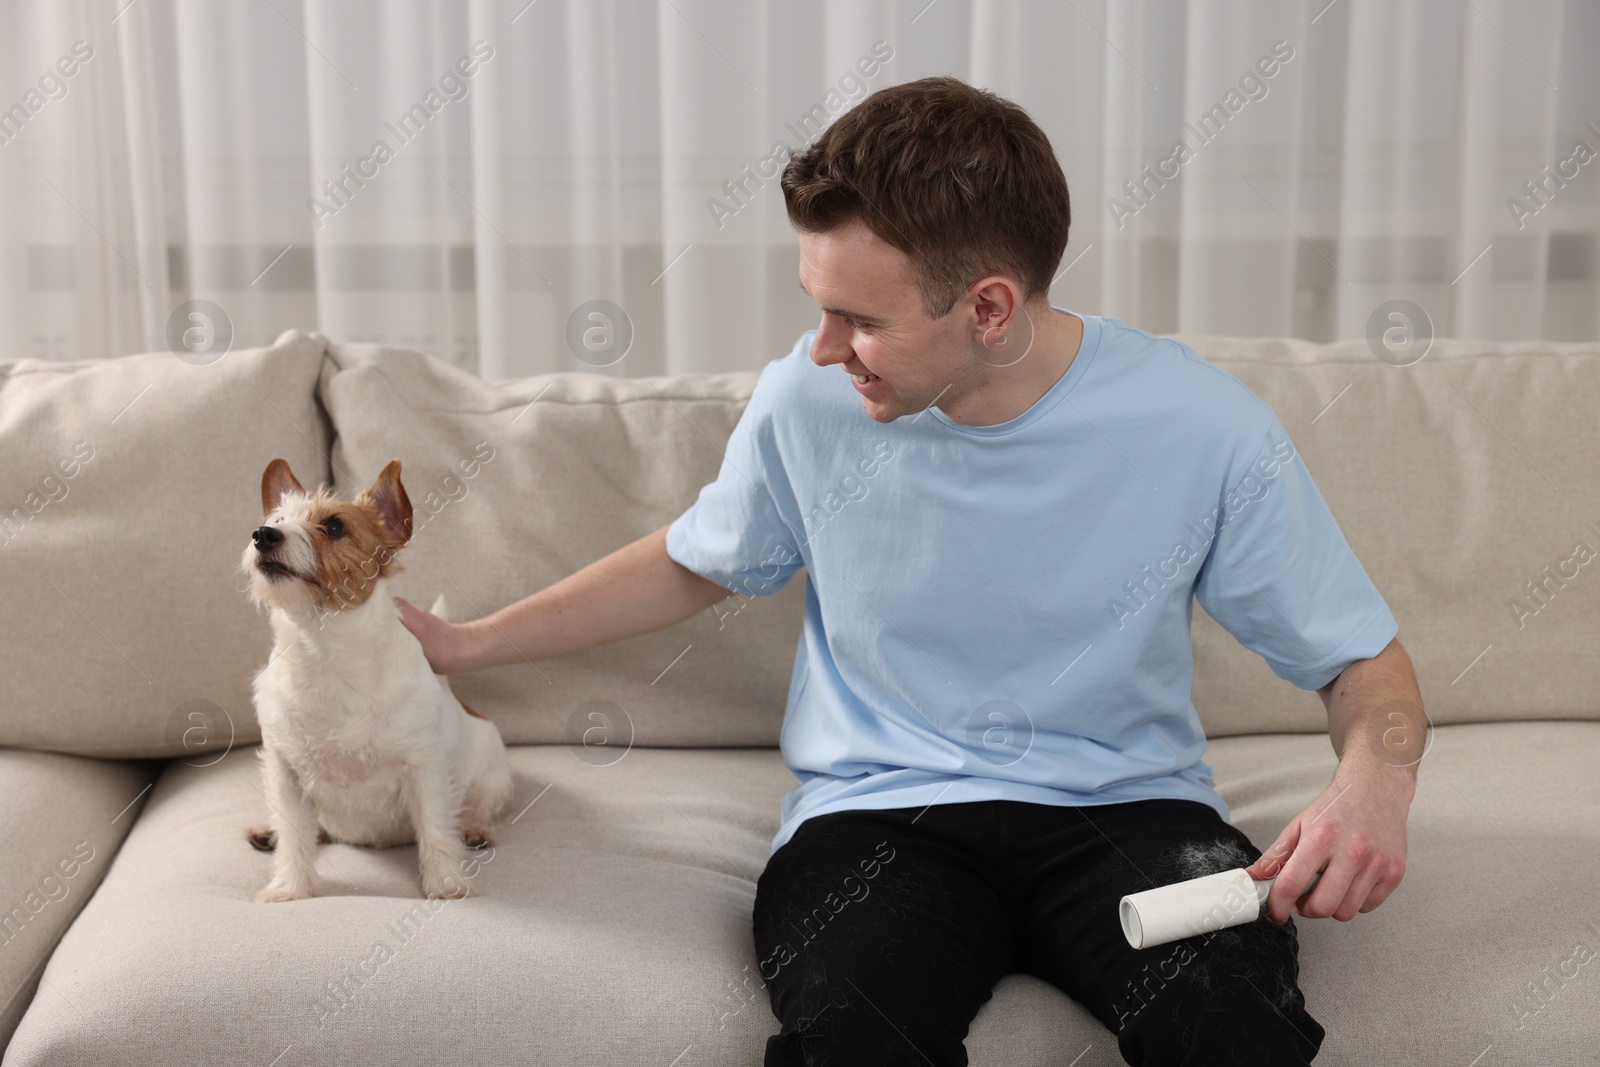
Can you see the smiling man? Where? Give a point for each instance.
(902, 360)
(989, 715)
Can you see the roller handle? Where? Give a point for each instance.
(1264, 886)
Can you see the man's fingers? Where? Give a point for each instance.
(1388, 882)
(412, 614)
(1277, 854)
(1356, 899)
(1333, 888)
(1291, 885)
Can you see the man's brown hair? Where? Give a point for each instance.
(960, 180)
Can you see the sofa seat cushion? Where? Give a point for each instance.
(1498, 896)
(612, 923)
(62, 819)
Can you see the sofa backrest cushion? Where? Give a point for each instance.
(1455, 480)
(1464, 482)
(1468, 485)
(514, 486)
(128, 491)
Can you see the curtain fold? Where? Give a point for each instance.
(516, 186)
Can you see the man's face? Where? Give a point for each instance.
(873, 323)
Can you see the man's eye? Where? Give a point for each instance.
(333, 528)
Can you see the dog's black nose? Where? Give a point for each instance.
(266, 537)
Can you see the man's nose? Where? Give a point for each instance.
(828, 347)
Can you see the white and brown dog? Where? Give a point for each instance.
(361, 742)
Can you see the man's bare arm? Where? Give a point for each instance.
(1375, 711)
(1354, 832)
(636, 589)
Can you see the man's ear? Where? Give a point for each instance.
(997, 304)
(277, 480)
(1001, 323)
(389, 497)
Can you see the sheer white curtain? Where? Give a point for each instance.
(463, 177)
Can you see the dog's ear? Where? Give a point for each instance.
(276, 481)
(389, 497)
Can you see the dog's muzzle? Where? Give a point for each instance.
(266, 539)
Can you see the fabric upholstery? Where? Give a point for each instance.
(1406, 456)
(613, 923)
(125, 615)
(1456, 481)
(62, 819)
(582, 464)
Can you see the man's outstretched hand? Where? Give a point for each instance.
(442, 642)
(1354, 833)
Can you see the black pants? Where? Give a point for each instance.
(879, 934)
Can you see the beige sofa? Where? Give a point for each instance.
(612, 922)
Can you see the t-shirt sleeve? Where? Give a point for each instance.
(1280, 576)
(734, 534)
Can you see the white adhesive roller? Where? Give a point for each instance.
(1198, 906)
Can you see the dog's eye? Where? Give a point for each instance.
(333, 528)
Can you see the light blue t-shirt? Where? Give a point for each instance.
(1002, 612)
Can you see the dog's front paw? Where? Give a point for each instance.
(278, 892)
(449, 886)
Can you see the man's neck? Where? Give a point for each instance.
(1006, 385)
